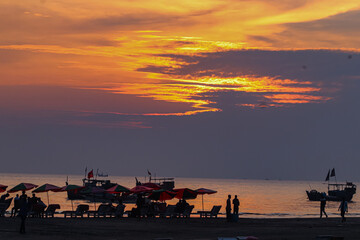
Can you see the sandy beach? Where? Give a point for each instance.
(194, 228)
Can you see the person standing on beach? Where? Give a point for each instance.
(322, 206)
(24, 208)
(343, 208)
(236, 204)
(228, 208)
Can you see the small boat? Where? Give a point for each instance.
(336, 191)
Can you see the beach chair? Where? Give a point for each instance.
(51, 209)
(213, 213)
(37, 210)
(119, 211)
(80, 211)
(169, 211)
(187, 211)
(103, 210)
(3, 207)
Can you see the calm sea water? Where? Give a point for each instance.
(258, 198)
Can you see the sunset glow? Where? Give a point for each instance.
(161, 51)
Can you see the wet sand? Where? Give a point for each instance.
(195, 228)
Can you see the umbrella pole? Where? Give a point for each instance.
(202, 199)
(72, 207)
(48, 198)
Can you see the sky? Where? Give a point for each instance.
(260, 89)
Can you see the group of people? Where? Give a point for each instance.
(343, 208)
(23, 205)
(236, 204)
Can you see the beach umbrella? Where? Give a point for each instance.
(185, 193)
(141, 189)
(93, 191)
(151, 185)
(3, 188)
(22, 187)
(70, 187)
(161, 195)
(117, 189)
(46, 188)
(202, 192)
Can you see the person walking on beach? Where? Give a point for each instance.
(24, 208)
(236, 204)
(322, 206)
(343, 208)
(228, 208)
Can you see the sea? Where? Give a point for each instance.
(258, 198)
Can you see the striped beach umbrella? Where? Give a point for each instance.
(70, 187)
(185, 193)
(117, 189)
(22, 187)
(203, 191)
(151, 185)
(46, 188)
(161, 195)
(3, 188)
(141, 189)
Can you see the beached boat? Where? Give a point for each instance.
(336, 191)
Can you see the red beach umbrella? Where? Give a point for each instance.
(185, 193)
(70, 187)
(141, 189)
(46, 188)
(203, 191)
(117, 189)
(3, 188)
(161, 195)
(22, 187)
(151, 185)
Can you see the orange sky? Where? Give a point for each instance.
(105, 45)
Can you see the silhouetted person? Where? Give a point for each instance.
(228, 208)
(343, 208)
(3, 197)
(236, 204)
(24, 208)
(322, 206)
(16, 207)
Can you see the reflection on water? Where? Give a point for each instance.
(258, 198)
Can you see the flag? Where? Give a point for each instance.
(91, 174)
(332, 173)
(328, 176)
(149, 172)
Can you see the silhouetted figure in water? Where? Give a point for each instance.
(236, 204)
(322, 206)
(343, 208)
(228, 208)
(24, 208)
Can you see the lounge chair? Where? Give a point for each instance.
(51, 209)
(187, 211)
(80, 211)
(169, 211)
(4, 205)
(103, 210)
(37, 210)
(119, 211)
(213, 213)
